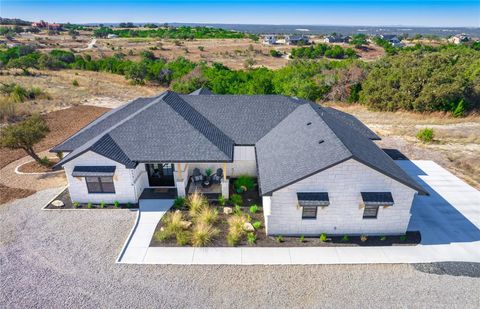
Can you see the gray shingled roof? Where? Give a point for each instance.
(294, 138)
(202, 91)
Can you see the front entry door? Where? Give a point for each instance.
(160, 175)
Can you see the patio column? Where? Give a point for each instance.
(225, 182)
(180, 181)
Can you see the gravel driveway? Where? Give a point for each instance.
(57, 259)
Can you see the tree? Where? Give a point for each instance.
(24, 135)
(358, 40)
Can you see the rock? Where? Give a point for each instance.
(185, 224)
(248, 227)
(58, 203)
(227, 210)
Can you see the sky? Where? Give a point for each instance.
(440, 13)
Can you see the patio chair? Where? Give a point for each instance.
(217, 177)
(197, 177)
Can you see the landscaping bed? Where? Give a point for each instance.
(211, 226)
(64, 198)
(35, 167)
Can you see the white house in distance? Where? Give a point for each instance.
(459, 39)
(317, 168)
(269, 39)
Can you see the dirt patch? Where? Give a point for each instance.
(62, 123)
(8, 194)
(35, 167)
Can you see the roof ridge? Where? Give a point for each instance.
(222, 141)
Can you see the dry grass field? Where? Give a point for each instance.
(231, 52)
(456, 145)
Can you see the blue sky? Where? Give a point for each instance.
(441, 13)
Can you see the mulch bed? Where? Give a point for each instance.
(411, 239)
(65, 198)
(8, 194)
(35, 167)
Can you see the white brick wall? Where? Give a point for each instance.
(343, 182)
(125, 189)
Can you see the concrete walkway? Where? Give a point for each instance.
(150, 213)
(449, 220)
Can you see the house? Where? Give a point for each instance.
(318, 169)
(43, 24)
(336, 39)
(269, 39)
(459, 39)
(296, 39)
(112, 36)
(392, 39)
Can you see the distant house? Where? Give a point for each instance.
(296, 39)
(269, 39)
(459, 39)
(336, 39)
(392, 39)
(112, 36)
(45, 25)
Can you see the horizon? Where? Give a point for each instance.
(370, 13)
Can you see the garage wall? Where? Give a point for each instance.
(343, 182)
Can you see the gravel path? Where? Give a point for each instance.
(58, 259)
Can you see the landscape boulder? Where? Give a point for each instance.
(58, 203)
(248, 227)
(227, 210)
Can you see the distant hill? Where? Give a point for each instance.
(14, 21)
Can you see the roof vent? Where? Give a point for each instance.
(309, 123)
(320, 141)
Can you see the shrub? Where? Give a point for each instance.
(279, 238)
(201, 48)
(237, 210)
(179, 202)
(345, 238)
(45, 161)
(235, 229)
(207, 215)
(196, 202)
(236, 199)
(221, 200)
(129, 205)
(251, 239)
(116, 204)
(257, 225)
(203, 234)
(302, 238)
(323, 237)
(383, 238)
(275, 53)
(102, 204)
(403, 238)
(244, 181)
(89, 205)
(254, 209)
(363, 238)
(75, 83)
(76, 204)
(425, 135)
(208, 172)
(182, 237)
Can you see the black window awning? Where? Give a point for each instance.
(377, 198)
(92, 171)
(313, 199)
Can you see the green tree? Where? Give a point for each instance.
(24, 135)
(358, 40)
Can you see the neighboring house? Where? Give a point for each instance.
(336, 39)
(296, 39)
(318, 169)
(45, 25)
(393, 39)
(269, 39)
(112, 36)
(459, 39)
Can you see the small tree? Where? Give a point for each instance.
(24, 135)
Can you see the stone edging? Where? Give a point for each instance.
(44, 173)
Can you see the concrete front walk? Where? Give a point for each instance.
(449, 220)
(150, 213)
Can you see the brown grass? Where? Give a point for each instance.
(8, 194)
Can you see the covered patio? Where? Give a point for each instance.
(210, 180)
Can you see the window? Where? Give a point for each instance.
(100, 184)
(370, 212)
(309, 212)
